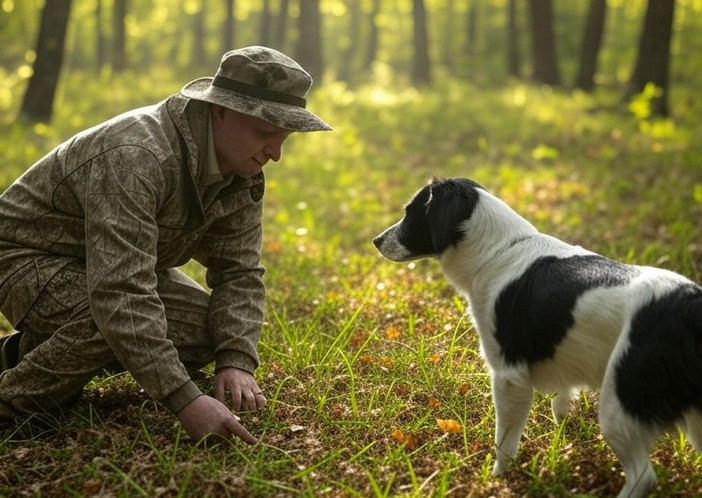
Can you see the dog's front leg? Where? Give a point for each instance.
(512, 393)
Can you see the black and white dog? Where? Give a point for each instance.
(558, 318)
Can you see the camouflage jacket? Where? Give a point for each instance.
(126, 197)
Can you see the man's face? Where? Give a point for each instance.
(243, 143)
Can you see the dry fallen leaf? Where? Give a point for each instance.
(274, 246)
(392, 333)
(434, 403)
(450, 426)
(409, 441)
(358, 339)
(386, 361)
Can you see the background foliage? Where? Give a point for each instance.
(372, 372)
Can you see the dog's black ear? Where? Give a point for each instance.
(451, 204)
(436, 179)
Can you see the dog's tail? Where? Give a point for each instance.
(696, 315)
(690, 316)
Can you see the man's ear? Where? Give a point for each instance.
(218, 112)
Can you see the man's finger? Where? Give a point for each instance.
(240, 431)
(260, 401)
(249, 400)
(236, 399)
(219, 392)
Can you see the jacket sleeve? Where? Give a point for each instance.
(123, 194)
(231, 252)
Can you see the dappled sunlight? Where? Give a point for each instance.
(381, 353)
(372, 369)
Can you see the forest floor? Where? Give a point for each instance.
(371, 368)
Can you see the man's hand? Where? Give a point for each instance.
(241, 386)
(204, 417)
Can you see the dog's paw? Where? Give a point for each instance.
(499, 468)
(560, 405)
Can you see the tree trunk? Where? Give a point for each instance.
(309, 43)
(281, 26)
(590, 48)
(471, 28)
(347, 68)
(228, 26)
(119, 52)
(513, 59)
(101, 48)
(654, 54)
(265, 30)
(545, 69)
(373, 36)
(38, 102)
(420, 60)
(199, 54)
(449, 37)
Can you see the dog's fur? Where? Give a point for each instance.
(558, 318)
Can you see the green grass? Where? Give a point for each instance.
(361, 356)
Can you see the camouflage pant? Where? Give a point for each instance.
(61, 348)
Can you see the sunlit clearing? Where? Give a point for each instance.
(382, 96)
(25, 71)
(519, 96)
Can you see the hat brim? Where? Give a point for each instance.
(285, 116)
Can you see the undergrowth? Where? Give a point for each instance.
(373, 374)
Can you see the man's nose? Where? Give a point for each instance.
(274, 151)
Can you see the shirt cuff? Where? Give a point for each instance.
(237, 359)
(177, 400)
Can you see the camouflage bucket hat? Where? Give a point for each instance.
(260, 82)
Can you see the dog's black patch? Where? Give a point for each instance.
(434, 216)
(535, 311)
(659, 377)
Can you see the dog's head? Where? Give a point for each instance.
(433, 220)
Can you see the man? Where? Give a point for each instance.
(91, 235)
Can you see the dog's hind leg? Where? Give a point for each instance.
(560, 404)
(632, 441)
(693, 429)
(513, 395)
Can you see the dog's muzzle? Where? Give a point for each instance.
(389, 246)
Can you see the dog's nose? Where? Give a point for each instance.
(377, 241)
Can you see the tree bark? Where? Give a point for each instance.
(101, 48)
(119, 38)
(38, 102)
(265, 29)
(545, 69)
(281, 26)
(228, 26)
(347, 68)
(590, 47)
(199, 54)
(373, 36)
(471, 28)
(421, 74)
(448, 37)
(309, 43)
(653, 57)
(513, 59)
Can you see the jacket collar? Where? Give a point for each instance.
(190, 118)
